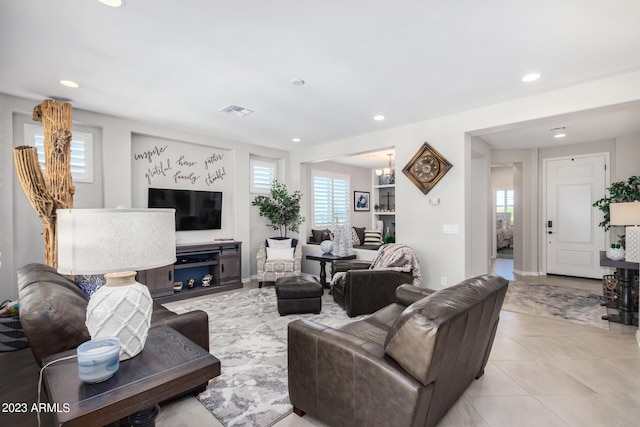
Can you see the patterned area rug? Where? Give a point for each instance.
(250, 339)
(558, 302)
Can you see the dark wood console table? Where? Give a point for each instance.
(169, 365)
(323, 258)
(625, 301)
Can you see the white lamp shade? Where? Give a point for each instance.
(626, 213)
(97, 241)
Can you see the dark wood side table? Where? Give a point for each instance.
(625, 301)
(324, 258)
(169, 365)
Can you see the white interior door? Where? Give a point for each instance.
(573, 239)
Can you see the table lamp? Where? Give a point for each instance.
(628, 214)
(117, 242)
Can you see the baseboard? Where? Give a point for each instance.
(526, 273)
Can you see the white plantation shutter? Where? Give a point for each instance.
(330, 199)
(505, 201)
(81, 151)
(262, 175)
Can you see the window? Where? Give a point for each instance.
(504, 202)
(81, 151)
(262, 175)
(330, 199)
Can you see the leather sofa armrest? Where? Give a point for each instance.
(408, 294)
(193, 325)
(342, 265)
(366, 291)
(331, 372)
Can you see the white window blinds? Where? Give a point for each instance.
(81, 151)
(330, 199)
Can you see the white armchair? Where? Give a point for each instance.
(269, 270)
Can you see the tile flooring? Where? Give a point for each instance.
(541, 372)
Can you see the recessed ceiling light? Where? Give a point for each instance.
(69, 83)
(296, 139)
(297, 82)
(378, 118)
(531, 77)
(559, 135)
(112, 3)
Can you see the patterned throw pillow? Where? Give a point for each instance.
(373, 237)
(355, 239)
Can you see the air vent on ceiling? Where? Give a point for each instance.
(236, 110)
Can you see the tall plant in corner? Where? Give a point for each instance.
(281, 209)
(621, 191)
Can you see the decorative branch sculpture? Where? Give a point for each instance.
(53, 190)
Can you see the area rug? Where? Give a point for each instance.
(558, 302)
(250, 339)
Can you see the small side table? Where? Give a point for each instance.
(625, 302)
(324, 258)
(168, 366)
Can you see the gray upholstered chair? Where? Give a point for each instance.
(269, 270)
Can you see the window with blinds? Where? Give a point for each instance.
(262, 175)
(330, 199)
(504, 202)
(81, 151)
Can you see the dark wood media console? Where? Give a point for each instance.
(222, 260)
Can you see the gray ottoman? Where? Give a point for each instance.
(299, 294)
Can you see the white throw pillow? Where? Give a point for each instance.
(372, 237)
(284, 254)
(279, 244)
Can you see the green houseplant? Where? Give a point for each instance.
(281, 208)
(621, 191)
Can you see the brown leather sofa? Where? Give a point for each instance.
(363, 291)
(405, 365)
(53, 313)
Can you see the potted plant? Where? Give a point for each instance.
(281, 208)
(621, 191)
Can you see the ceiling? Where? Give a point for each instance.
(177, 64)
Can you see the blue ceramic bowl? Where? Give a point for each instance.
(98, 359)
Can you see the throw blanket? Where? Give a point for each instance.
(394, 257)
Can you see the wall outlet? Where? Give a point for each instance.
(443, 281)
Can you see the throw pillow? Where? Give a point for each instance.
(373, 237)
(282, 254)
(360, 231)
(320, 235)
(279, 243)
(355, 240)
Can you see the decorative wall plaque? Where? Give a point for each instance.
(426, 168)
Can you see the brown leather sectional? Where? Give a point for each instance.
(404, 365)
(53, 313)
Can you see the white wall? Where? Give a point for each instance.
(419, 224)
(115, 158)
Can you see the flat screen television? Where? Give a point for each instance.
(195, 210)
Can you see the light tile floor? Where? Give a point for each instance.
(541, 372)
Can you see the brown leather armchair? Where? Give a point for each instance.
(363, 291)
(405, 365)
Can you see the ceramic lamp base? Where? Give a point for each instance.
(122, 308)
(632, 244)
